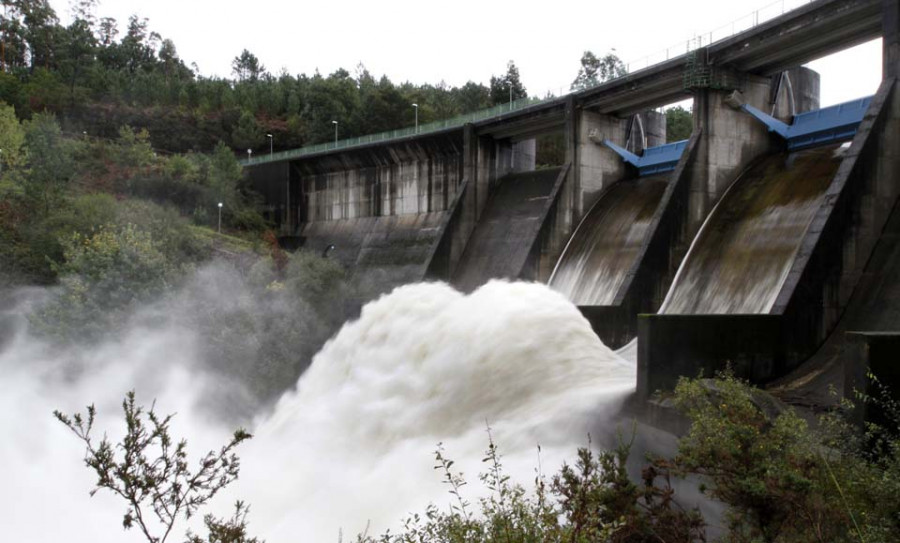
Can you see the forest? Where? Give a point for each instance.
(98, 74)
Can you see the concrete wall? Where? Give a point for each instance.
(891, 39)
(731, 140)
(843, 235)
(481, 172)
(552, 236)
(672, 346)
(402, 178)
(596, 166)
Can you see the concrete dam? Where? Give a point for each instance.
(767, 242)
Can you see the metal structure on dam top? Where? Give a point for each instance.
(810, 31)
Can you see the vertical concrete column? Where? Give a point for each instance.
(654, 124)
(565, 212)
(596, 166)
(479, 167)
(891, 39)
(801, 87)
(731, 140)
(524, 155)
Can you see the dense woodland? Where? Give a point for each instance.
(99, 74)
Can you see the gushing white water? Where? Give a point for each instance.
(354, 442)
(423, 365)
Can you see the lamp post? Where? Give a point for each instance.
(249, 154)
(220, 217)
(416, 106)
(271, 144)
(335, 123)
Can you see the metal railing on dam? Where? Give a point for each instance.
(423, 129)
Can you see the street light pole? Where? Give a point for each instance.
(249, 154)
(220, 217)
(416, 106)
(271, 144)
(335, 123)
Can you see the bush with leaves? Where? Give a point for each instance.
(104, 276)
(592, 500)
(151, 473)
(782, 480)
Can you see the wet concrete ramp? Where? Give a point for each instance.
(745, 249)
(502, 240)
(873, 307)
(606, 244)
(379, 252)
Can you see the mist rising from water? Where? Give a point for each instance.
(353, 443)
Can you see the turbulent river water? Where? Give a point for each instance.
(352, 445)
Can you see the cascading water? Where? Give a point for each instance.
(354, 442)
(606, 243)
(744, 251)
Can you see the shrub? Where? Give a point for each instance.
(150, 472)
(104, 276)
(592, 500)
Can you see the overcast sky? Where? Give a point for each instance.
(427, 42)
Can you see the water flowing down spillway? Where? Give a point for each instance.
(744, 251)
(353, 444)
(425, 365)
(605, 245)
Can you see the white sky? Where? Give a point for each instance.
(426, 42)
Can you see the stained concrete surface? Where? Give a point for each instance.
(381, 252)
(507, 229)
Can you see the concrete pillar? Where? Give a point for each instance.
(731, 139)
(806, 87)
(596, 166)
(524, 154)
(891, 39)
(654, 127)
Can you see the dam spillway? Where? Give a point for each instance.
(606, 243)
(503, 238)
(740, 258)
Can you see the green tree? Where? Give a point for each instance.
(13, 39)
(472, 97)
(508, 86)
(78, 48)
(12, 138)
(49, 159)
(679, 124)
(133, 149)
(596, 70)
(246, 134)
(41, 31)
(138, 46)
(246, 67)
